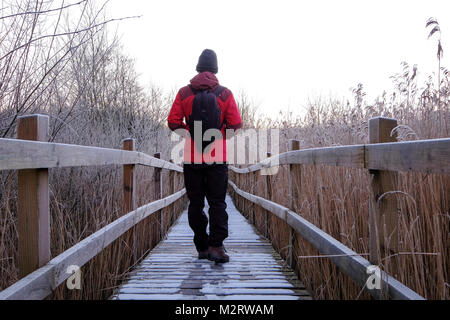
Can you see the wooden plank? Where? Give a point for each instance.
(231, 283)
(33, 202)
(186, 267)
(222, 291)
(351, 263)
(43, 281)
(240, 263)
(249, 284)
(254, 274)
(209, 297)
(216, 278)
(250, 258)
(21, 154)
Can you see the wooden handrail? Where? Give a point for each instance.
(40, 283)
(428, 156)
(382, 158)
(23, 154)
(346, 259)
(32, 158)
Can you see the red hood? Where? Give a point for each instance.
(204, 80)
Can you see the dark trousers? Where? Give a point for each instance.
(210, 181)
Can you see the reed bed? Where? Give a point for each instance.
(337, 199)
(83, 200)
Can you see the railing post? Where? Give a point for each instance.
(129, 198)
(33, 202)
(158, 193)
(172, 191)
(295, 176)
(383, 213)
(240, 199)
(244, 178)
(242, 183)
(254, 183)
(268, 196)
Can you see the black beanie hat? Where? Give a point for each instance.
(207, 61)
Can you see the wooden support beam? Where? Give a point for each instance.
(33, 202)
(383, 208)
(129, 198)
(295, 176)
(244, 187)
(171, 217)
(240, 200)
(268, 196)
(254, 182)
(158, 193)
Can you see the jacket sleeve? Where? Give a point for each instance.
(232, 115)
(176, 115)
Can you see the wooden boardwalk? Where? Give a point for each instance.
(172, 270)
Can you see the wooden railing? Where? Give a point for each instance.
(33, 159)
(381, 157)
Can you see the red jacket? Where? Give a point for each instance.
(182, 109)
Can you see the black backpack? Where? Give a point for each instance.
(206, 110)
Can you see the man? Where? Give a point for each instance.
(204, 104)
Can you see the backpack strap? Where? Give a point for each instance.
(220, 92)
(186, 92)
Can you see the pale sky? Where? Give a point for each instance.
(283, 52)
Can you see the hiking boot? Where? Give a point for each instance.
(218, 255)
(203, 254)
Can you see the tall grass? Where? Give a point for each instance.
(83, 200)
(337, 199)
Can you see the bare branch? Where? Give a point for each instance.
(431, 21)
(42, 12)
(434, 30)
(68, 33)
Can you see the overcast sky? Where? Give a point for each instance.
(282, 52)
